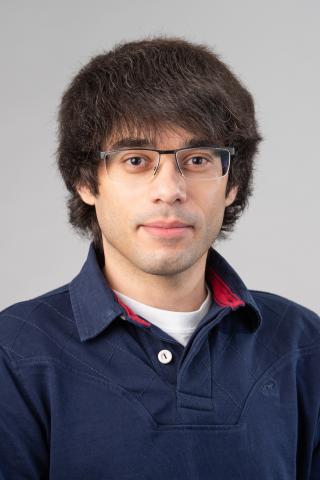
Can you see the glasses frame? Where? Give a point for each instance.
(103, 155)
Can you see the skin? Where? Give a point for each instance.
(166, 273)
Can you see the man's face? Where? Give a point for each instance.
(123, 210)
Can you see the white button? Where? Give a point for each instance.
(165, 356)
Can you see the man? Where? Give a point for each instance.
(156, 361)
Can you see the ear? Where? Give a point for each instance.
(231, 196)
(85, 194)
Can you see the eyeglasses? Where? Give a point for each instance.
(138, 165)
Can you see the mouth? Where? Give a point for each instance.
(167, 232)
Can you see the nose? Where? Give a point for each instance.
(168, 184)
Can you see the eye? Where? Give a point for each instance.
(135, 161)
(198, 158)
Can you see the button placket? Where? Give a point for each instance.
(194, 388)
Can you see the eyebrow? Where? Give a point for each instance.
(145, 143)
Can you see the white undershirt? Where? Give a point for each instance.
(178, 325)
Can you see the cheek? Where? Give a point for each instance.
(213, 207)
(112, 213)
(212, 200)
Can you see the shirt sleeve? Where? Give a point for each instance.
(23, 444)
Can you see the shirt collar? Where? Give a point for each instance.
(95, 305)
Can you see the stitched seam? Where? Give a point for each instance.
(62, 348)
(56, 310)
(7, 347)
(133, 356)
(272, 369)
(74, 356)
(268, 347)
(271, 337)
(45, 360)
(37, 362)
(105, 381)
(307, 348)
(236, 409)
(58, 345)
(276, 366)
(207, 376)
(226, 392)
(146, 388)
(258, 367)
(289, 302)
(24, 322)
(23, 387)
(226, 344)
(244, 359)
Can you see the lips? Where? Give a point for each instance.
(161, 224)
(167, 231)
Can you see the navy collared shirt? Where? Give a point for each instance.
(92, 391)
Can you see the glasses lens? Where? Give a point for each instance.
(139, 166)
(204, 162)
(131, 165)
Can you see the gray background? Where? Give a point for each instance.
(272, 46)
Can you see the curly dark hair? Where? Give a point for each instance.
(139, 86)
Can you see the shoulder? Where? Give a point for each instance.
(38, 325)
(289, 323)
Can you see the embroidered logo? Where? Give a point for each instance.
(270, 388)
